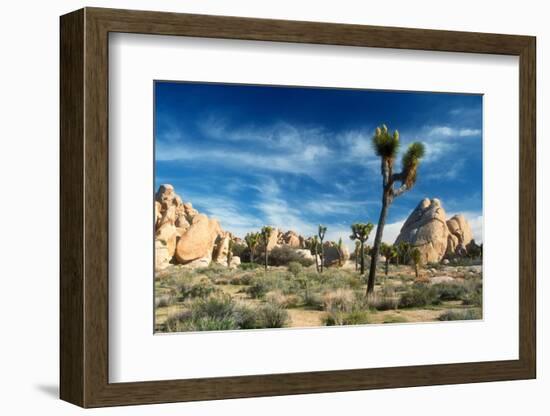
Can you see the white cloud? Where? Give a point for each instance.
(447, 131)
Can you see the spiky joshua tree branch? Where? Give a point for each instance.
(386, 146)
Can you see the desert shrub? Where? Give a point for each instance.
(164, 300)
(312, 299)
(295, 268)
(355, 317)
(473, 299)
(260, 285)
(383, 302)
(221, 313)
(249, 266)
(245, 316)
(202, 289)
(212, 270)
(341, 300)
(272, 316)
(419, 295)
(244, 279)
(450, 291)
(283, 255)
(460, 315)
(277, 297)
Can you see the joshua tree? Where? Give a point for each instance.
(230, 252)
(403, 252)
(321, 233)
(389, 252)
(314, 244)
(358, 252)
(252, 240)
(266, 233)
(339, 248)
(360, 232)
(386, 146)
(416, 257)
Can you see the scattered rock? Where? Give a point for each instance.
(235, 262)
(162, 257)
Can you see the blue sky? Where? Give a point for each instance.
(295, 157)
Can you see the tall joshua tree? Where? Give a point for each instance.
(416, 257)
(358, 252)
(386, 146)
(321, 233)
(252, 240)
(266, 233)
(360, 232)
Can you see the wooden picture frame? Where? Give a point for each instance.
(84, 207)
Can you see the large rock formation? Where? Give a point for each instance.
(182, 234)
(427, 229)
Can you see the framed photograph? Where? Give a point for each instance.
(255, 207)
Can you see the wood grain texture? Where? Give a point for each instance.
(84, 207)
(71, 217)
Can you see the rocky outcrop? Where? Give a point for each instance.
(427, 229)
(460, 236)
(182, 234)
(291, 239)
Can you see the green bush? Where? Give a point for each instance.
(418, 296)
(460, 315)
(383, 302)
(244, 279)
(202, 289)
(450, 291)
(249, 266)
(272, 316)
(283, 255)
(295, 268)
(473, 299)
(355, 317)
(259, 286)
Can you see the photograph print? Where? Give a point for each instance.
(295, 207)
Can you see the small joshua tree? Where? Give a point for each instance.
(403, 252)
(340, 249)
(266, 233)
(389, 252)
(230, 252)
(321, 233)
(360, 232)
(386, 146)
(416, 258)
(357, 253)
(252, 240)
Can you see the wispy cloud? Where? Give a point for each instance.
(448, 131)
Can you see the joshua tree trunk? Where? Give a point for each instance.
(362, 258)
(251, 256)
(387, 265)
(377, 241)
(266, 254)
(356, 261)
(416, 270)
(316, 259)
(322, 256)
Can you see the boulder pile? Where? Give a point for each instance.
(428, 229)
